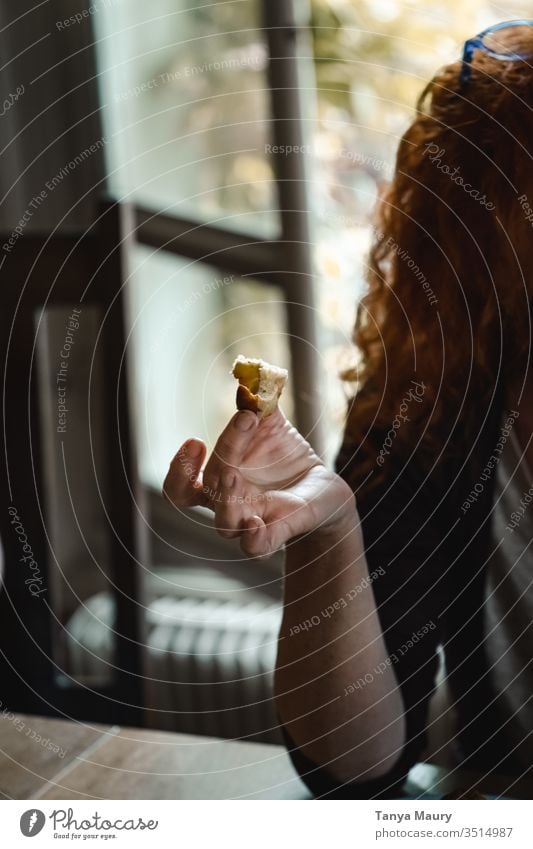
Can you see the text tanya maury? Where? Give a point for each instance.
(416, 815)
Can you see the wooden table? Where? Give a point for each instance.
(108, 762)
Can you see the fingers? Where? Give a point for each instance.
(230, 450)
(254, 538)
(183, 484)
(262, 540)
(229, 512)
(233, 509)
(236, 438)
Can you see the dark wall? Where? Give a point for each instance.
(48, 109)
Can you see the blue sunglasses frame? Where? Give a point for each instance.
(477, 43)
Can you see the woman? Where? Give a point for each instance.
(411, 544)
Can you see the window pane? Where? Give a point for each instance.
(185, 105)
(188, 323)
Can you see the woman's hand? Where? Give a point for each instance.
(264, 483)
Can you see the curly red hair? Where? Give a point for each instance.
(450, 272)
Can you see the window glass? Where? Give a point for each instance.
(188, 322)
(185, 107)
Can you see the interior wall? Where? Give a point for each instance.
(51, 142)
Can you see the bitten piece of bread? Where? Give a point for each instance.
(260, 385)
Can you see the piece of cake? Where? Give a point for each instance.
(260, 385)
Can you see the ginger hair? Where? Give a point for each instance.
(450, 271)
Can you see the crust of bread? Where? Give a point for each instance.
(246, 400)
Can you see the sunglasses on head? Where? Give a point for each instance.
(478, 43)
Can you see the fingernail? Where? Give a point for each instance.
(245, 421)
(253, 529)
(194, 449)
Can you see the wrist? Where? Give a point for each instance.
(343, 520)
(341, 510)
(314, 556)
(334, 510)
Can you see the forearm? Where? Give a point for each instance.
(336, 690)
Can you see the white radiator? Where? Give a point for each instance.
(209, 662)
